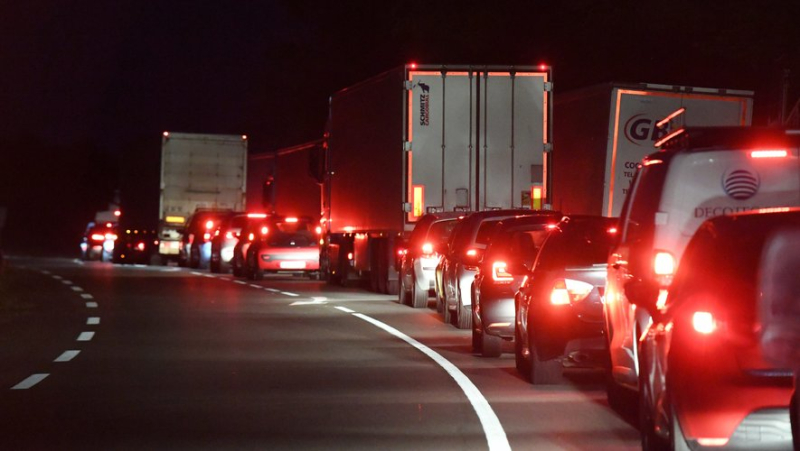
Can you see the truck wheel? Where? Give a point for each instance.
(447, 316)
(419, 296)
(194, 258)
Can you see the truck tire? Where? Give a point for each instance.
(403, 296)
(418, 296)
(447, 316)
(213, 266)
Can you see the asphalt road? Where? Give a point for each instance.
(123, 357)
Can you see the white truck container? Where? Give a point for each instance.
(198, 171)
(427, 138)
(602, 132)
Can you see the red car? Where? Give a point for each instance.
(289, 245)
(704, 380)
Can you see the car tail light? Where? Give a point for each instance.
(551, 226)
(349, 255)
(140, 246)
(251, 237)
(229, 235)
(209, 225)
(111, 236)
(704, 323)
(290, 219)
(664, 264)
(567, 291)
(318, 230)
(257, 215)
(499, 273)
(776, 153)
(98, 237)
(401, 252)
(712, 441)
(264, 230)
(206, 236)
(427, 249)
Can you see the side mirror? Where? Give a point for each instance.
(642, 293)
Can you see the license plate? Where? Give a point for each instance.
(293, 265)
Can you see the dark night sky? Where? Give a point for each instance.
(86, 87)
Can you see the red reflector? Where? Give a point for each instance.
(769, 154)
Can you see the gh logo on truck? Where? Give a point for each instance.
(424, 105)
(640, 128)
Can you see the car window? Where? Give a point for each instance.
(643, 203)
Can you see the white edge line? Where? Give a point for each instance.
(289, 294)
(495, 435)
(30, 381)
(67, 356)
(345, 309)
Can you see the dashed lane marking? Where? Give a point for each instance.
(66, 282)
(286, 293)
(93, 320)
(76, 288)
(85, 336)
(87, 296)
(57, 277)
(30, 381)
(344, 309)
(67, 356)
(91, 305)
(255, 286)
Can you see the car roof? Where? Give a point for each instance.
(703, 139)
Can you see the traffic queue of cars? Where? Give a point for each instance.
(666, 299)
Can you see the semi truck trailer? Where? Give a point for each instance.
(280, 182)
(427, 138)
(602, 132)
(198, 171)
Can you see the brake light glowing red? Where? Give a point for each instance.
(209, 224)
(612, 230)
(98, 237)
(140, 246)
(318, 230)
(427, 248)
(551, 226)
(264, 230)
(206, 236)
(229, 235)
(769, 154)
(472, 253)
(111, 236)
(704, 323)
(349, 255)
(251, 237)
(290, 219)
(500, 274)
(712, 441)
(117, 213)
(257, 215)
(664, 264)
(402, 252)
(566, 291)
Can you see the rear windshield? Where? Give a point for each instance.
(291, 227)
(576, 246)
(518, 245)
(440, 231)
(298, 239)
(486, 231)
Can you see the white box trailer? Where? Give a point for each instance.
(198, 171)
(602, 132)
(428, 138)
